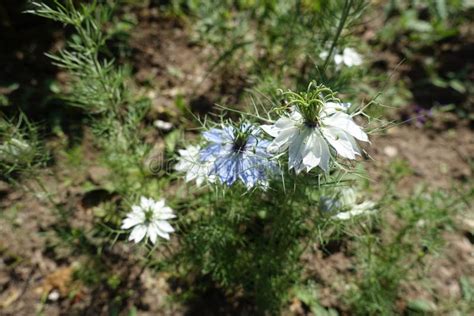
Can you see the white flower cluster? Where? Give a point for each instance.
(312, 135)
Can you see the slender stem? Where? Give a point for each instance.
(345, 13)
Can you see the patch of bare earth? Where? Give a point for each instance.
(174, 66)
(436, 156)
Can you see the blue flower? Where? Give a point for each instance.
(238, 154)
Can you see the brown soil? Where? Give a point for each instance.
(435, 155)
(172, 65)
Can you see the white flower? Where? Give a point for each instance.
(348, 200)
(349, 57)
(324, 54)
(150, 219)
(357, 209)
(346, 205)
(190, 163)
(307, 142)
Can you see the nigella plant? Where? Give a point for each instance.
(255, 243)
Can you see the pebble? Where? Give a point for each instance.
(53, 296)
(390, 151)
(163, 125)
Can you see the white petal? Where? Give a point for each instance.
(164, 226)
(345, 122)
(271, 130)
(284, 139)
(288, 122)
(367, 205)
(165, 213)
(146, 203)
(348, 215)
(190, 176)
(188, 158)
(283, 130)
(332, 107)
(325, 155)
(342, 142)
(159, 205)
(312, 151)
(152, 233)
(295, 158)
(163, 234)
(348, 199)
(137, 209)
(182, 166)
(138, 233)
(130, 222)
(316, 153)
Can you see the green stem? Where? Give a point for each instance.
(345, 13)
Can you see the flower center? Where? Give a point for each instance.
(311, 104)
(311, 124)
(241, 138)
(148, 215)
(239, 144)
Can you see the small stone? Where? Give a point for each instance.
(163, 125)
(394, 130)
(390, 151)
(53, 295)
(151, 94)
